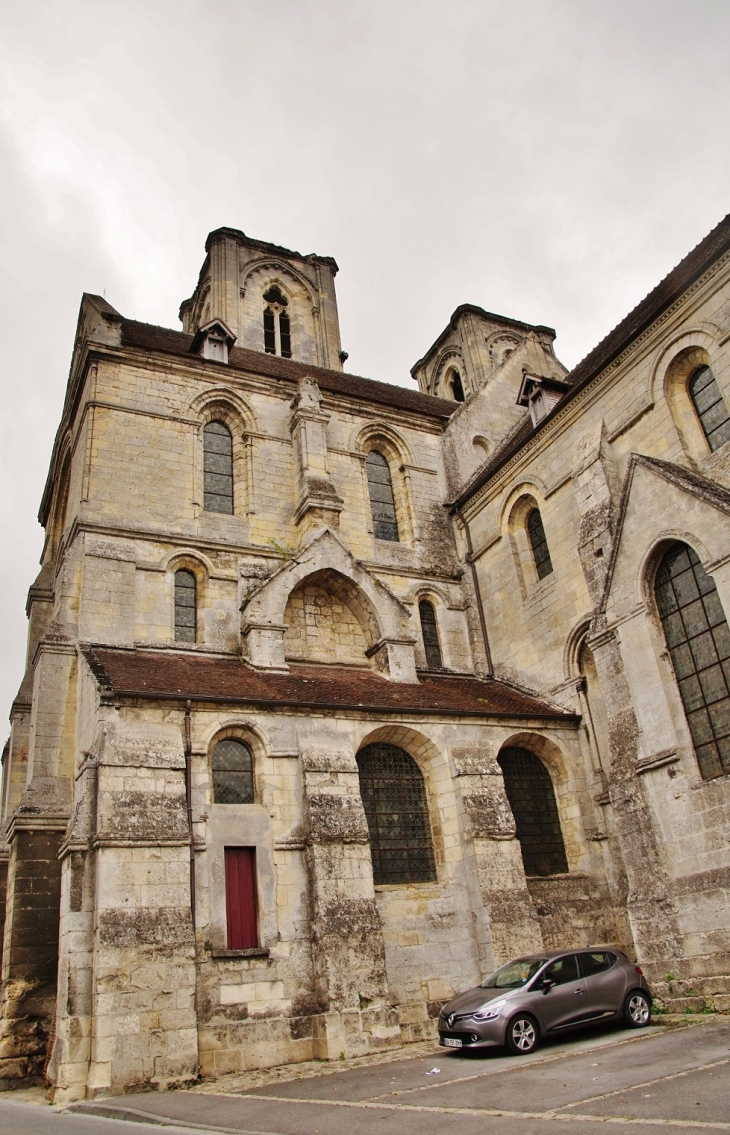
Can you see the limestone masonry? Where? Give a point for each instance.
(339, 694)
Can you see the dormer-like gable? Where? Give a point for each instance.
(540, 393)
(213, 341)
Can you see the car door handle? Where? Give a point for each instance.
(580, 991)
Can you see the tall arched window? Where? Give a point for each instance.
(277, 330)
(538, 543)
(429, 631)
(532, 799)
(232, 767)
(382, 502)
(394, 798)
(710, 407)
(456, 385)
(218, 468)
(698, 638)
(185, 606)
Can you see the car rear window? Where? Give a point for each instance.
(596, 962)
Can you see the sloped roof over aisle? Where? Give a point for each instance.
(167, 674)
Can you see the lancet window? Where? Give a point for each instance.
(277, 328)
(218, 468)
(430, 634)
(185, 606)
(539, 544)
(382, 502)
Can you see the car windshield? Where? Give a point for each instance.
(514, 975)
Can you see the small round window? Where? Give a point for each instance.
(232, 773)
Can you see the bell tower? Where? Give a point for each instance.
(274, 300)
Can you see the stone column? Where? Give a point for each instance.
(512, 926)
(347, 940)
(650, 907)
(318, 504)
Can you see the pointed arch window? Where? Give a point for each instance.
(382, 502)
(218, 468)
(277, 328)
(396, 809)
(539, 544)
(532, 799)
(232, 768)
(429, 631)
(185, 606)
(698, 639)
(710, 407)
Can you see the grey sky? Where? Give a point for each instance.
(547, 159)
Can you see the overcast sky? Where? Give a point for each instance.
(550, 160)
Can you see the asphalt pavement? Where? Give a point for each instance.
(634, 1081)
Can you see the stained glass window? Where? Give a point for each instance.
(232, 773)
(430, 633)
(698, 638)
(710, 407)
(382, 502)
(532, 799)
(396, 808)
(218, 468)
(538, 542)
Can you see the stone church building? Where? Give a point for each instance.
(339, 694)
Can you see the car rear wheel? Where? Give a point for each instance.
(522, 1035)
(637, 1009)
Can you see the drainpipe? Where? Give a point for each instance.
(477, 590)
(189, 802)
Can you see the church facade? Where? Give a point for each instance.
(339, 694)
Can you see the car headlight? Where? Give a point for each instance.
(489, 1011)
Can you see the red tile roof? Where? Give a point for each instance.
(148, 337)
(186, 674)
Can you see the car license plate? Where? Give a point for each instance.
(451, 1042)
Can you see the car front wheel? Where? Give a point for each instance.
(522, 1035)
(637, 1010)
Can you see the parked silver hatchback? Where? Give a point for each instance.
(541, 994)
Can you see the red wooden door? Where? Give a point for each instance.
(241, 898)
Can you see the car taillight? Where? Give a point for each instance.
(639, 970)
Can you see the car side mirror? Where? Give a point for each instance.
(546, 984)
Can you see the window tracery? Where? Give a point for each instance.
(394, 798)
(277, 327)
(698, 639)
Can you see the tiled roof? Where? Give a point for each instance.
(186, 674)
(714, 245)
(150, 338)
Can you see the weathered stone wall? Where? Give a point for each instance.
(665, 828)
